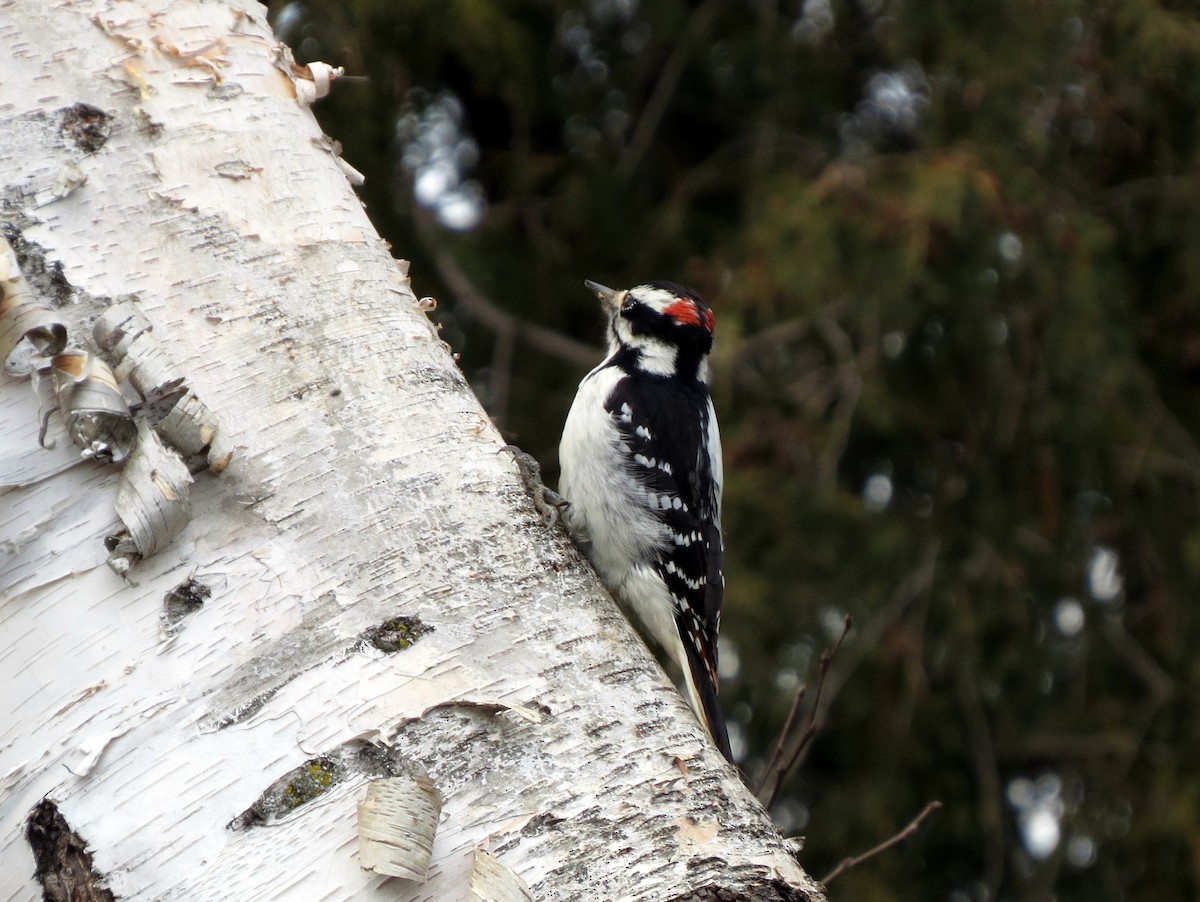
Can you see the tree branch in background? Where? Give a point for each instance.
(767, 339)
(468, 295)
(987, 774)
(913, 586)
(814, 388)
(1157, 681)
(847, 863)
(777, 752)
(778, 768)
(668, 80)
(849, 392)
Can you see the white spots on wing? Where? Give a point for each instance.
(653, 463)
(626, 414)
(694, 584)
(686, 540)
(665, 502)
(699, 639)
(643, 432)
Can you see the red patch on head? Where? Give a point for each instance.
(686, 313)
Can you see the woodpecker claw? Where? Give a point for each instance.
(548, 503)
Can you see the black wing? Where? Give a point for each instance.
(665, 427)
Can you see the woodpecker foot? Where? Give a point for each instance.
(548, 503)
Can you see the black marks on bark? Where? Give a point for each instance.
(756, 890)
(186, 598)
(45, 276)
(64, 865)
(717, 881)
(541, 823)
(85, 126)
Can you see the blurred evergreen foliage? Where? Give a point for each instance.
(953, 251)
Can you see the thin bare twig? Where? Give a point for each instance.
(851, 369)
(767, 339)
(777, 752)
(987, 774)
(914, 585)
(777, 771)
(668, 80)
(1159, 683)
(846, 863)
(1140, 661)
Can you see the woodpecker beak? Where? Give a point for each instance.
(607, 296)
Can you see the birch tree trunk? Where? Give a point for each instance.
(347, 618)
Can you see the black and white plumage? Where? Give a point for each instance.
(642, 475)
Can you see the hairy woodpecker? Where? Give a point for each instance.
(641, 475)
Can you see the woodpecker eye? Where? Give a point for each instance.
(627, 306)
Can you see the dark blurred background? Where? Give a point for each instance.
(953, 252)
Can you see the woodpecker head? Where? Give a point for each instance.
(663, 328)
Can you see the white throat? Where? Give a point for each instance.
(655, 356)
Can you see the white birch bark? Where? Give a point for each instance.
(215, 743)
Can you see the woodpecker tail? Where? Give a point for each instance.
(702, 696)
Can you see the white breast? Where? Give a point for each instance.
(608, 507)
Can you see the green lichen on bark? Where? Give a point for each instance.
(395, 634)
(297, 787)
